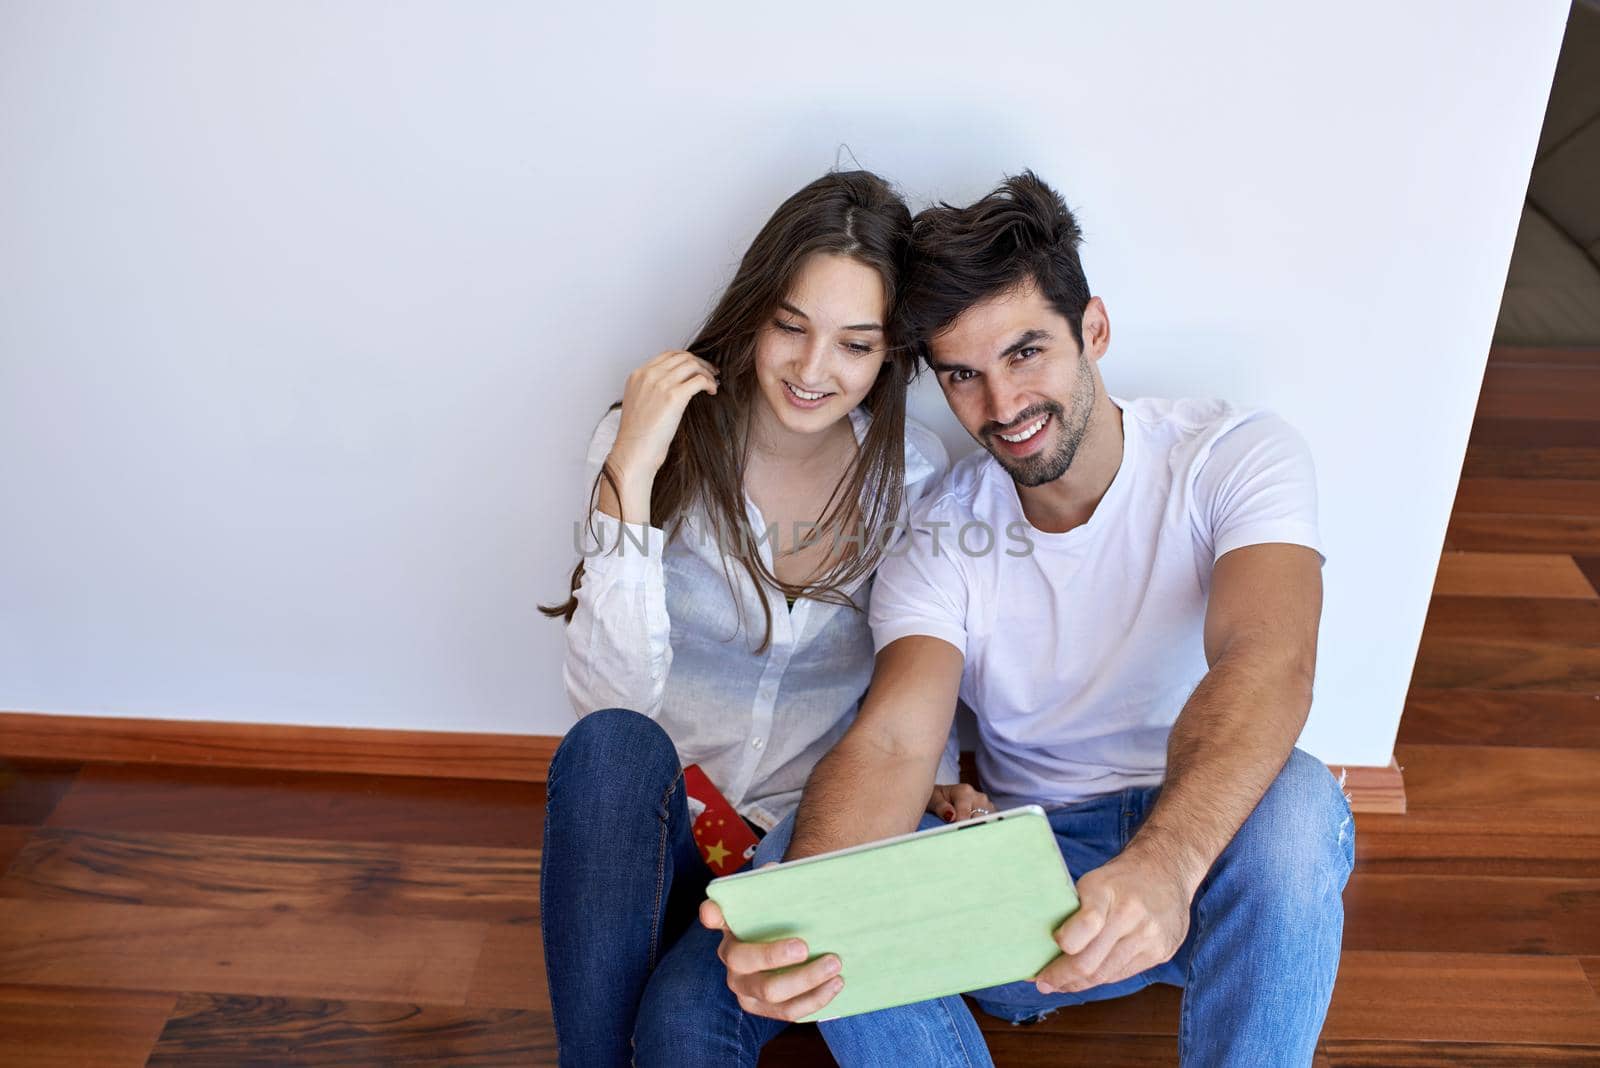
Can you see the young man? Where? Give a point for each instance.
(1141, 667)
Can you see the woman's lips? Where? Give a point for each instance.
(801, 402)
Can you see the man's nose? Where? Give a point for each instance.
(1004, 404)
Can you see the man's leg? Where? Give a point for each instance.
(1266, 927)
(620, 878)
(1088, 833)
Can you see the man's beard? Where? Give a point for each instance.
(1051, 464)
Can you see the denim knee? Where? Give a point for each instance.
(617, 752)
(1299, 841)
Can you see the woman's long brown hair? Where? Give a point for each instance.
(848, 213)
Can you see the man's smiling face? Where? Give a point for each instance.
(1018, 381)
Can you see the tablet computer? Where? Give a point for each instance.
(935, 912)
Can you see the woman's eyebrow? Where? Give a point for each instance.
(792, 310)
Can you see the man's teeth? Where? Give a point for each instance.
(1026, 434)
(802, 394)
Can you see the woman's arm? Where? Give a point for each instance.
(618, 642)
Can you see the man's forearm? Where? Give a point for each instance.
(859, 793)
(1231, 740)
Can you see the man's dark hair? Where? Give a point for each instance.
(1023, 231)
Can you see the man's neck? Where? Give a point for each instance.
(1068, 502)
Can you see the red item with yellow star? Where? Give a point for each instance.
(725, 840)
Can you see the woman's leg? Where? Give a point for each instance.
(689, 1018)
(940, 1032)
(620, 878)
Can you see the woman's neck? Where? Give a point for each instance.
(773, 443)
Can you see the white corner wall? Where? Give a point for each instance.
(306, 310)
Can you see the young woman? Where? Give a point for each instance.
(744, 491)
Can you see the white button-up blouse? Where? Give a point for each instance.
(656, 630)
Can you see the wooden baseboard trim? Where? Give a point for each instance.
(353, 750)
(1375, 790)
(367, 751)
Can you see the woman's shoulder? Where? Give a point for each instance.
(927, 461)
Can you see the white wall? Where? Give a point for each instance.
(306, 310)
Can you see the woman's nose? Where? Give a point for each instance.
(813, 362)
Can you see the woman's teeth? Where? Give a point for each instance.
(1026, 434)
(803, 395)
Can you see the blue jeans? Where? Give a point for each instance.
(1258, 964)
(634, 978)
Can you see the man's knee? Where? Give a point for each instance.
(1297, 844)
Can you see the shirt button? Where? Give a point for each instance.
(755, 743)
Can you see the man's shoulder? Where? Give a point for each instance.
(1188, 429)
(954, 497)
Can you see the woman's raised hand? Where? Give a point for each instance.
(653, 401)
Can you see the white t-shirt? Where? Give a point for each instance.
(1081, 652)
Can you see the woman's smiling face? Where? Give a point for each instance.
(821, 352)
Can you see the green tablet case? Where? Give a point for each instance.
(938, 912)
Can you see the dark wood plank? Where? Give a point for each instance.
(299, 804)
(222, 1031)
(31, 789)
(1472, 914)
(1462, 997)
(1486, 717)
(1557, 620)
(1388, 845)
(70, 1027)
(1528, 496)
(278, 874)
(1506, 665)
(1590, 567)
(1500, 433)
(1504, 461)
(1533, 448)
(1591, 968)
(1571, 356)
(510, 972)
(1497, 790)
(12, 839)
(1527, 392)
(1523, 534)
(140, 947)
(1510, 575)
(1400, 1054)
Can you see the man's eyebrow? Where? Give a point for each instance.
(792, 310)
(1024, 339)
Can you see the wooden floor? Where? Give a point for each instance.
(177, 916)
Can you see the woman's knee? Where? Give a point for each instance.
(614, 750)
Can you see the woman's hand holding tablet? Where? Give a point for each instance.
(937, 912)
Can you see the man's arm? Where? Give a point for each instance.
(1229, 743)
(875, 782)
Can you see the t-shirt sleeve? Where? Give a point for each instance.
(920, 586)
(1256, 485)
